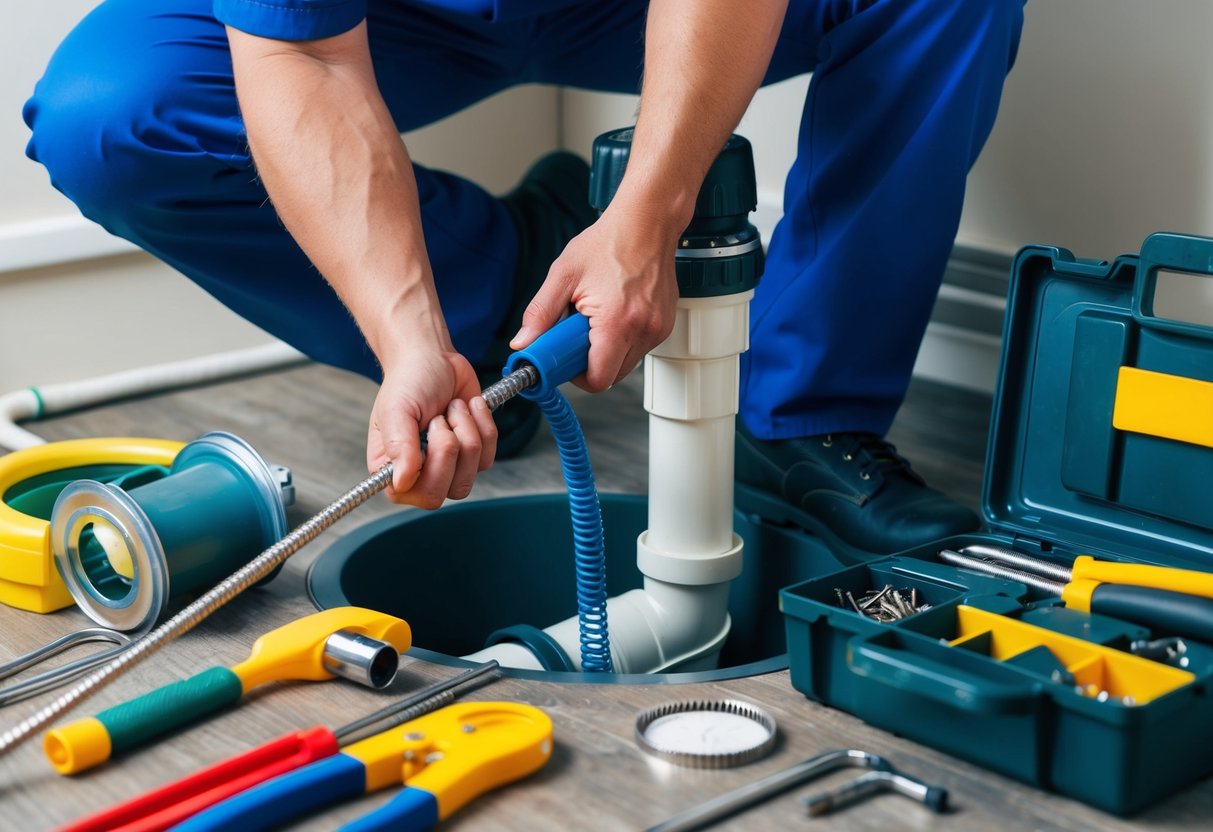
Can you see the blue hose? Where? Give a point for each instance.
(588, 547)
(558, 356)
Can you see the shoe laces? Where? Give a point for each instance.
(872, 453)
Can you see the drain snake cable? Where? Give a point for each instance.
(567, 339)
(588, 547)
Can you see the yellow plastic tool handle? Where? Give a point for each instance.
(498, 743)
(459, 751)
(1187, 581)
(295, 651)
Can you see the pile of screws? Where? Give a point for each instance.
(885, 604)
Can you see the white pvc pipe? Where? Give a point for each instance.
(661, 628)
(36, 402)
(689, 553)
(690, 485)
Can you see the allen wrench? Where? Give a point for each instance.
(934, 798)
(741, 798)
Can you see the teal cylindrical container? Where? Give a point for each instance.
(123, 554)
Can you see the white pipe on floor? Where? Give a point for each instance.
(689, 553)
(36, 402)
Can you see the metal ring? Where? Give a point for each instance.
(707, 759)
(84, 502)
(733, 250)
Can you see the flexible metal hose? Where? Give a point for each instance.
(259, 567)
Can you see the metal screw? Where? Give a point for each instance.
(414, 736)
(433, 757)
(469, 728)
(875, 598)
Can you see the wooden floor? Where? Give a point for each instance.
(313, 420)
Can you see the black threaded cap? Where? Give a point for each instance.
(729, 189)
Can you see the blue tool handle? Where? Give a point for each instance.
(412, 810)
(1166, 613)
(284, 798)
(560, 355)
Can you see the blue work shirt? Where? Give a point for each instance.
(312, 19)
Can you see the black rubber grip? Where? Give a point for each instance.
(1166, 613)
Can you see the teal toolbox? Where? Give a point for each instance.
(1003, 675)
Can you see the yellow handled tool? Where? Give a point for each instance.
(357, 643)
(1164, 611)
(444, 759)
(1087, 568)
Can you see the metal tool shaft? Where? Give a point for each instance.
(1000, 571)
(422, 702)
(1019, 560)
(495, 395)
(738, 799)
(64, 673)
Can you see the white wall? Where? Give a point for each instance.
(1105, 132)
(1105, 135)
(75, 302)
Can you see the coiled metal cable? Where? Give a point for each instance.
(259, 567)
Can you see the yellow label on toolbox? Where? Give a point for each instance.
(1158, 404)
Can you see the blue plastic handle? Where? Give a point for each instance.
(412, 810)
(284, 798)
(560, 355)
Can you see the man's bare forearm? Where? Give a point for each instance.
(340, 178)
(704, 59)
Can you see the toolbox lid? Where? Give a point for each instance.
(1087, 455)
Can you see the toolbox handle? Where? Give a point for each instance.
(982, 687)
(1175, 253)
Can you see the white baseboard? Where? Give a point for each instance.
(959, 357)
(50, 241)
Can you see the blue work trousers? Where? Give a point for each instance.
(137, 122)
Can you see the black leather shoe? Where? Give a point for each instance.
(851, 489)
(549, 207)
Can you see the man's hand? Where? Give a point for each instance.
(699, 77)
(342, 182)
(436, 391)
(619, 273)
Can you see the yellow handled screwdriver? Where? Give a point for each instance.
(1162, 610)
(1087, 568)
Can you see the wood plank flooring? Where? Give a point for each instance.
(313, 420)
